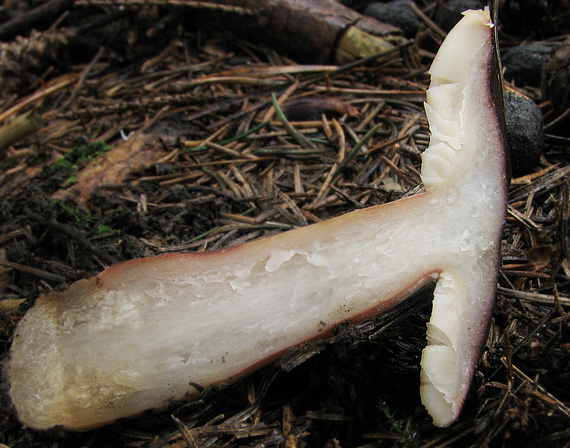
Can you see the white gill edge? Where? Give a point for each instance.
(445, 373)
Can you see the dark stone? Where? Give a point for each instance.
(398, 13)
(533, 19)
(556, 77)
(523, 64)
(450, 12)
(525, 133)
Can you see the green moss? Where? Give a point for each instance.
(79, 217)
(102, 229)
(82, 219)
(79, 156)
(113, 212)
(405, 438)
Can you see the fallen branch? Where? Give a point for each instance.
(319, 31)
(17, 129)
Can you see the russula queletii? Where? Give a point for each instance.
(140, 333)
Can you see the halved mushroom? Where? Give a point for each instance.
(137, 335)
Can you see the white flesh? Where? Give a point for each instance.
(138, 334)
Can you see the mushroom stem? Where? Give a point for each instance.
(138, 334)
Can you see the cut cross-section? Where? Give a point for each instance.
(140, 333)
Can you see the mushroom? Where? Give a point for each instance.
(142, 332)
